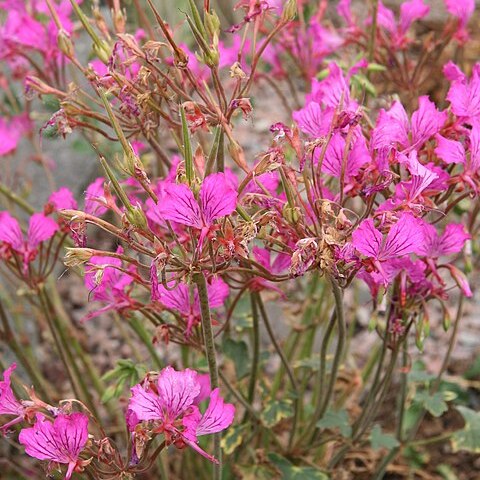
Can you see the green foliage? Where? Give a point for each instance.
(237, 351)
(233, 438)
(469, 437)
(294, 472)
(434, 404)
(336, 419)
(126, 372)
(275, 411)
(379, 439)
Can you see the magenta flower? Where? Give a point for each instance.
(40, 228)
(452, 151)
(464, 93)
(393, 127)
(463, 10)
(9, 405)
(178, 298)
(357, 156)
(95, 202)
(217, 198)
(409, 12)
(171, 405)
(110, 286)
(61, 441)
(451, 241)
(403, 238)
(11, 133)
(278, 265)
(62, 199)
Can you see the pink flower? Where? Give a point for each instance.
(279, 265)
(11, 133)
(94, 198)
(403, 238)
(171, 403)
(409, 12)
(107, 284)
(464, 94)
(393, 126)
(217, 199)
(61, 441)
(40, 228)
(178, 298)
(9, 405)
(357, 156)
(451, 241)
(463, 10)
(312, 121)
(62, 199)
(450, 151)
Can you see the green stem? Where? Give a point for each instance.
(146, 339)
(199, 280)
(31, 368)
(342, 330)
(256, 351)
(285, 363)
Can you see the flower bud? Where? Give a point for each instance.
(102, 52)
(65, 43)
(136, 217)
(119, 21)
(77, 256)
(289, 11)
(291, 214)
(212, 24)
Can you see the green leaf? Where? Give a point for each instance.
(469, 437)
(233, 438)
(473, 371)
(419, 375)
(237, 351)
(125, 372)
(276, 411)
(336, 419)
(378, 439)
(434, 404)
(293, 472)
(446, 472)
(257, 472)
(311, 363)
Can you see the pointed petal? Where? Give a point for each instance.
(40, 441)
(10, 231)
(405, 237)
(179, 205)
(426, 121)
(367, 239)
(177, 390)
(145, 405)
(450, 151)
(40, 228)
(218, 416)
(217, 197)
(453, 239)
(71, 433)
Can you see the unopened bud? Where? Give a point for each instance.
(289, 11)
(447, 319)
(237, 72)
(212, 24)
(103, 52)
(65, 43)
(119, 21)
(291, 214)
(77, 256)
(136, 217)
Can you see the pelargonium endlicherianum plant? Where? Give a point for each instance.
(206, 237)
